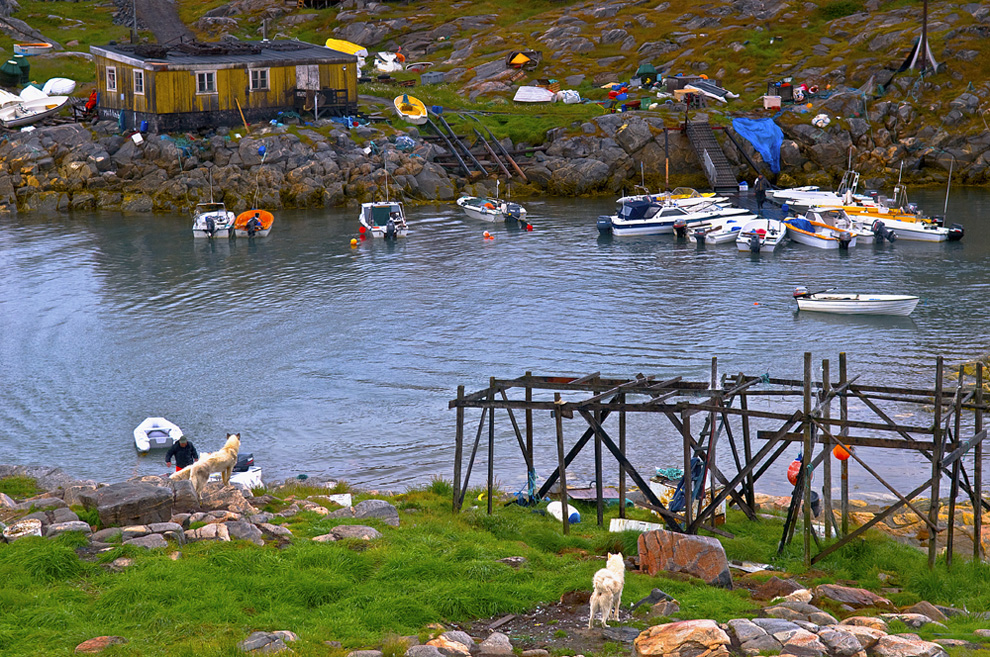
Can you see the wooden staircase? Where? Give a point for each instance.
(721, 174)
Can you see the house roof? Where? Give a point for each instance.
(224, 54)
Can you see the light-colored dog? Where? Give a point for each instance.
(607, 596)
(222, 461)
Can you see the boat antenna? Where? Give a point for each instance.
(948, 183)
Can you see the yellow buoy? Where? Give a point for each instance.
(353, 243)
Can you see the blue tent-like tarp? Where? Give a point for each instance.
(765, 136)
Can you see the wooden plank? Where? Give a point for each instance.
(562, 468)
(963, 448)
(859, 441)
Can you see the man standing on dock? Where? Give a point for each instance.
(760, 187)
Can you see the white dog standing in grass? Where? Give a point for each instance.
(607, 596)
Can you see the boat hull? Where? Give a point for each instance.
(859, 304)
(375, 217)
(410, 109)
(155, 433)
(26, 112)
(770, 235)
(264, 217)
(223, 222)
(491, 210)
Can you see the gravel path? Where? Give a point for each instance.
(162, 18)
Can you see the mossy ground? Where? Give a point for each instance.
(435, 568)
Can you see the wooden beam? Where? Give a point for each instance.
(859, 441)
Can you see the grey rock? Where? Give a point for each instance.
(497, 644)
(839, 642)
(262, 642)
(379, 509)
(150, 541)
(761, 644)
(69, 526)
(775, 625)
(460, 637)
(745, 629)
(63, 515)
(106, 535)
(245, 531)
(423, 651)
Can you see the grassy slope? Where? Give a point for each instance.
(739, 52)
(435, 568)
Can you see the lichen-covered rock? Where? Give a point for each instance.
(893, 645)
(129, 503)
(854, 597)
(700, 556)
(691, 638)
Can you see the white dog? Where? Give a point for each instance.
(607, 596)
(222, 461)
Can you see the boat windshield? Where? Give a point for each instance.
(210, 207)
(380, 214)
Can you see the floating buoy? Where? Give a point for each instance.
(487, 235)
(529, 227)
(792, 471)
(362, 230)
(840, 452)
(353, 242)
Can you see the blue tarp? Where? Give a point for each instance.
(800, 224)
(765, 135)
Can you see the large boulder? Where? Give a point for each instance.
(894, 645)
(379, 509)
(700, 556)
(856, 598)
(689, 638)
(129, 503)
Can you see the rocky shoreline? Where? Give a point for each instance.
(154, 512)
(76, 167)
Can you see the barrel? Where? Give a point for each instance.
(10, 74)
(25, 67)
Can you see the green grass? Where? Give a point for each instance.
(19, 487)
(437, 567)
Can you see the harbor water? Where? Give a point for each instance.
(340, 361)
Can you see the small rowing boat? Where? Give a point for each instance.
(410, 109)
(855, 304)
(32, 48)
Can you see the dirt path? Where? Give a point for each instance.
(162, 18)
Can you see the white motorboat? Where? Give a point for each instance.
(801, 199)
(383, 219)
(761, 236)
(819, 234)
(212, 220)
(491, 209)
(26, 112)
(855, 304)
(641, 217)
(245, 473)
(685, 196)
(155, 433)
(722, 232)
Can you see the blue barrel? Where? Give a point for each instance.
(144, 126)
(437, 109)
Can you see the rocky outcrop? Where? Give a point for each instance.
(129, 503)
(700, 556)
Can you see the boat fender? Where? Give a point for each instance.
(754, 247)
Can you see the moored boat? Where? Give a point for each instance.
(32, 48)
(383, 219)
(641, 217)
(855, 304)
(492, 209)
(212, 220)
(761, 236)
(253, 223)
(410, 109)
(155, 433)
(818, 234)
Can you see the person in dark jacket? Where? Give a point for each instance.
(184, 452)
(760, 187)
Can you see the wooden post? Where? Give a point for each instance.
(712, 437)
(936, 465)
(844, 431)
(622, 468)
(978, 467)
(491, 443)
(954, 483)
(747, 449)
(806, 460)
(688, 451)
(529, 424)
(458, 450)
(828, 517)
(562, 476)
(600, 503)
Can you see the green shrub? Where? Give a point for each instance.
(19, 487)
(840, 9)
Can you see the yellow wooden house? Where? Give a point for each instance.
(194, 85)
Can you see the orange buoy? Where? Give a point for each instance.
(840, 452)
(362, 230)
(792, 471)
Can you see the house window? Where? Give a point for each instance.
(138, 82)
(111, 78)
(259, 79)
(206, 82)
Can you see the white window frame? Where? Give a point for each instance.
(206, 75)
(261, 72)
(111, 78)
(138, 75)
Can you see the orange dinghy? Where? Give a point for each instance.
(253, 223)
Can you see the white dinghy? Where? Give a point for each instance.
(155, 433)
(855, 304)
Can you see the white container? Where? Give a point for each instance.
(627, 525)
(573, 516)
(743, 186)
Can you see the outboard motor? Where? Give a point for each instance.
(604, 224)
(512, 211)
(881, 232)
(844, 240)
(956, 232)
(800, 292)
(390, 230)
(680, 229)
(244, 461)
(211, 226)
(754, 243)
(699, 236)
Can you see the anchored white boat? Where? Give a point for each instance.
(383, 219)
(640, 217)
(855, 304)
(801, 199)
(212, 220)
(722, 232)
(491, 209)
(761, 236)
(811, 231)
(155, 433)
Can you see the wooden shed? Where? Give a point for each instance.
(187, 86)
